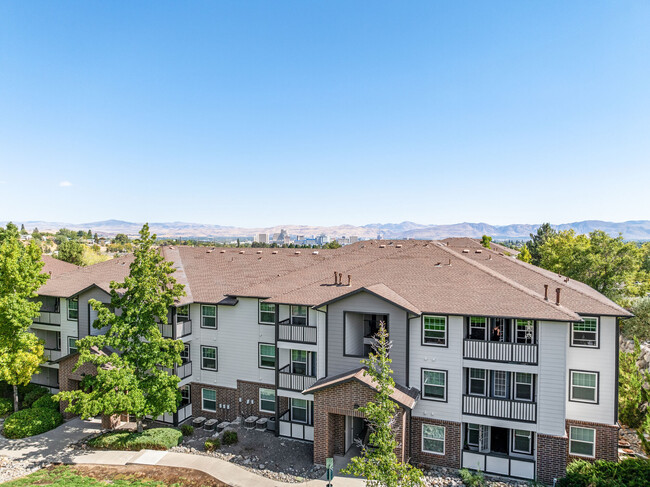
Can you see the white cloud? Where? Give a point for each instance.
(65, 184)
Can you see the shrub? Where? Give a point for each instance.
(6, 406)
(632, 472)
(230, 437)
(212, 444)
(472, 479)
(24, 390)
(152, 439)
(30, 422)
(46, 402)
(31, 397)
(187, 430)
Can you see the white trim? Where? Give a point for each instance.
(581, 441)
(272, 411)
(203, 389)
(444, 385)
(595, 388)
(259, 313)
(207, 316)
(444, 439)
(597, 333)
(446, 331)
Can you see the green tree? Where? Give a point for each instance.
(379, 463)
(36, 234)
(121, 238)
(96, 238)
(524, 254)
(332, 245)
(639, 325)
(132, 380)
(485, 241)
(544, 232)
(23, 231)
(21, 352)
(71, 251)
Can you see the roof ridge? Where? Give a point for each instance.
(508, 281)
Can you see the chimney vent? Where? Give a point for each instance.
(336, 279)
(557, 296)
(349, 280)
(340, 278)
(546, 292)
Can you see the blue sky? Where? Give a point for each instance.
(324, 112)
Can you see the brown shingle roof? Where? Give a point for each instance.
(55, 267)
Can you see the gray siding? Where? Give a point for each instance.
(365, 303)
(551, 396)
(84, 310)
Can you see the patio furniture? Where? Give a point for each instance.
(260, 424)
(249, 423)
(209, 424)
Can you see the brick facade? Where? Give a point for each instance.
(551, 457)
(452, 456)
(69, 379)
(229, 397)
(606, 440)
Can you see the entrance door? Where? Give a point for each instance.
(349, 432)
(499, 440)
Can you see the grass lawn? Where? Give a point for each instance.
(116, 476)
(151, 439)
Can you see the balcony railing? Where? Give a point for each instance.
(183, 328)
(292, 429)
(181, 371)
(294, 382)
(500, 408)
(296, 333)
(51, 354)
(499, 464)
(46, 318)
(524, 353)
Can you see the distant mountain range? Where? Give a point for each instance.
(631, 230)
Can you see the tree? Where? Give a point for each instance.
(121, 238)
(332, 245)
(71, 251)
(89, 234)
(379, 463)
(36, 234)
(544, 232)
(21, 352)
(96, 238)
(22, 229)
(133, 379)
(639, 325)
(524, 254)
(485, 241)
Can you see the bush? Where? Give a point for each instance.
(632, 472)
(152, 439)
(639, 325)
(187, 430)
(212, 444)
(472, 479)
(46, 402)
(30, 422)
(24, 390)
(6, 406)
(230, 437)
(32, 396)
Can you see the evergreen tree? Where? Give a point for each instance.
(524, 254)
(544, 232)
(71, 251)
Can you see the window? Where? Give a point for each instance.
(525, 331)
(434, 330)
(267, 313)
(584, 386)
(522, 441)
(523, 386)
(477, 328)
(499, 383)
(73, 309)
(186, 396)
(298, 315)
(433, 439)
(183, 313)
(48, 304)
(209, 358)
(267, 356)
(185, 354)
(208, 316)
(585, 334)
(582, 441)
(267, 400)
(472, 434)
(209, 400)
(434, 385)
(72, 345)
(299, 362)
(477, 382)
(299, 410)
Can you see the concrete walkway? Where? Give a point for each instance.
(49, 447)
(227, 472)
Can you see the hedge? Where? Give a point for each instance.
(632, 472)
(30, 422)
(32, 396)
(6, 406)
(46, 402)
(152, 439)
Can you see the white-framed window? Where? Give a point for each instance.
(434, 330)
(73, 309)
(477, 382)
(500, 383)
(208, 358)
(524, 331)
(472, 434)
(209, 400)
(582, 441)
(523, 386)
(522, 441)
(477, 328)
(585, 334)
(433, 439)
(584, 386)
(267, 400)
(72, 345)
(208, 316)
(267, 313)
(298, 315)
(183, 313)
(299, 362)
(299, 410)
(434, 384)
(267, 356)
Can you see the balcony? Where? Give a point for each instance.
(293, 429)
(183, 328)
(500, 408)
(523, 353)
(181, 371)
(296, 333)
(52, 354)
(46, 318)
(294, 382)
(499, 464)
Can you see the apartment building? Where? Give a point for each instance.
(500, 366)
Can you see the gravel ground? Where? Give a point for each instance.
(10, 469)
(448, 477)
(629, 444)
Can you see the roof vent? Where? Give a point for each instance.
(465, 251)
(382, 246)
(242, 251)
(274, 252)
(398, 246)
(297, 252)
(438, 264)
(478, 251)
(222, 251)
(557, 296)
(209, 251)
(315, 252)
(258, 252)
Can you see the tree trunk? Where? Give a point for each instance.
(15, 398)
(139, 423)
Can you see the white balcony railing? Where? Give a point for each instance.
(52, 355)
(499, 464)
(500, 408)
(294, 382)
(48, 318)
(183, 328)
(524, 353)
(297, 333)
